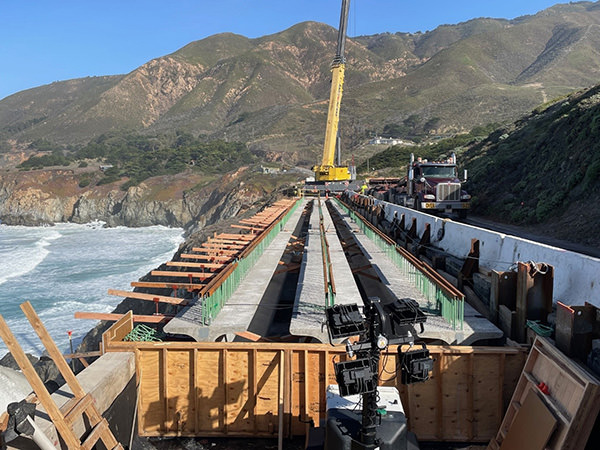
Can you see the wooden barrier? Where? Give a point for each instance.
(236, 389)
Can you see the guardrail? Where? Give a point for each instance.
(443, 298)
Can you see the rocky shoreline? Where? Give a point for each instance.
(201, 213)
(186, 200)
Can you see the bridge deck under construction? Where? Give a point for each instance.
(327, 275)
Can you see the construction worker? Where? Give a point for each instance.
(363, 188)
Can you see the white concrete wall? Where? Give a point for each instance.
(576, 276)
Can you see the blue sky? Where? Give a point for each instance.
(43, 41)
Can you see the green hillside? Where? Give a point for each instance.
(272, 91)
(549, 161)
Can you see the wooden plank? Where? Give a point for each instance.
(247, 237)
(210, 266)
(253, 386)
(118, 330)
(166, 285)
(216, 251)
(251, 336)
(244, 227)
(306, 392)
(164, 392)
(222, 245)
(219, 241)
(82, 355)
(287, 395)
(37, 385)
(75, 409)
(3, 421)
(100, 431)
(157, 318)
(280, 401)
(167, 273)
(440, 397)
(256, 222)
(470, 399)
(224, 258)
(148, 297)
(225, 377)
(195, 391)
(53, 351)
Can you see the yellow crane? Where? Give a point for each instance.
(328, 171)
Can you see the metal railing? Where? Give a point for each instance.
(442, 298)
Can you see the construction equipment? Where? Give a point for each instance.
(328, 170)
(429, 186)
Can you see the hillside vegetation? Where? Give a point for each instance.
(544, 168)
(138, 158)
(272, 91)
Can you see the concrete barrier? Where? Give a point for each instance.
(576, 276)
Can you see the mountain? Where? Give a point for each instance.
(272, 91)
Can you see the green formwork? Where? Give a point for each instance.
(212, 304)
(438, 301)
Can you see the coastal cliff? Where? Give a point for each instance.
(184, 200)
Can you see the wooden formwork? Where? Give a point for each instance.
(260, 389)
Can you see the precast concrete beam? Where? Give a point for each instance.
(475, 327)
(308, 317)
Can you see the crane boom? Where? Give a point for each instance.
(328, 171)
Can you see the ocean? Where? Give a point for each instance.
(69, 267)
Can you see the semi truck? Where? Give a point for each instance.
(429, 186)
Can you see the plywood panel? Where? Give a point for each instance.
(233, 389)
(151, 411)
(180, 404)
(533, 425)
(210, 390)
(423, 405)
(237, 382)
(455, 398)
(316, 381)
(573, 397)
(487, 403)
(267, 390)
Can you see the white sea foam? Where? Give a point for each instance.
(75, 265)
(19, 255)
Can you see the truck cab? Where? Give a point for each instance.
(434, 186)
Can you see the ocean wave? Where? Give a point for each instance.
(18, 258)
(78, 270)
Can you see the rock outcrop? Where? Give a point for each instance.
(51, 196)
